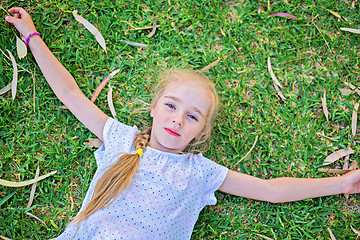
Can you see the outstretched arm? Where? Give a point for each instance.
(59, 79)
(289, 189)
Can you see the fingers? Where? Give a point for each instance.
(11, 20)
(18, 12)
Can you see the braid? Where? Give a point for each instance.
(115, 179)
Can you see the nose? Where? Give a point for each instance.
(178, 120)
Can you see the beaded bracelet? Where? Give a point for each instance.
(28, 37)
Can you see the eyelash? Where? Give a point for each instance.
(171, 106)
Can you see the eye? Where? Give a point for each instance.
(170, 105)
(193, 117)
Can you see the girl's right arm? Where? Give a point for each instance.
(60, 80)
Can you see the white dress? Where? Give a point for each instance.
(165, 196)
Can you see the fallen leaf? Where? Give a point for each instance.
(345, 91)
(354, 165)
(153, 30)
(335, 171)
(354, 119)
(5, 89)
(94, 142)
(25, 183)
(102, 85)
(331, 234)
(336, 155)
(272, 74)
(99, 38)
(5, 238)
(355, 231)
(33, 188)
(134, 43)
(256, 138)
(32, 215)
(324, 106)
(63, 107)
(20, 47)
(15, 75)
(281, 14)
(110, 102)
(352, 87)
(278, 91)
(226, 4)
(265, 237)
(334, 13)
(351, 30)
(213, 64)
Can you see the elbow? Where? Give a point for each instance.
(275, 194)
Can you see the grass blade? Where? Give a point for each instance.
(351, 30)
(272, 74)
(331, 234)
(6, 198)
(5, 89)
(33, 188)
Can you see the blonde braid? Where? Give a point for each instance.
(115, 179)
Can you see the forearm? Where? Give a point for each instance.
(293, 189)
(59, 79)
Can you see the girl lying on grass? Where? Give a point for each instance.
(145, 185)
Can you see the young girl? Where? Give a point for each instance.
(145, 185)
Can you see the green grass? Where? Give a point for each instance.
(308, 55)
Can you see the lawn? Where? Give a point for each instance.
(309, 55)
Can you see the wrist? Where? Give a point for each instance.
(31, 35)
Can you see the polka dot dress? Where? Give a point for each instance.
(164, 199)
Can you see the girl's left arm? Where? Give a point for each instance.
(287, 189)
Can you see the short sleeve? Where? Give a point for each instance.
(118, 139)
(213, 176)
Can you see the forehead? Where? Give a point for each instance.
(193, 93)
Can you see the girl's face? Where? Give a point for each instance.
(179, 115)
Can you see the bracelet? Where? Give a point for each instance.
(28, 37)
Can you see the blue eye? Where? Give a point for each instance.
(170, 105)
(193, 117)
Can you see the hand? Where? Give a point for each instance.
(22, 21)
(352, 182)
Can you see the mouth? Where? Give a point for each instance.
(172, 132)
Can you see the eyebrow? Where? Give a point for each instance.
(179, 100)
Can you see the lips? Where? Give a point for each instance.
(172, 132)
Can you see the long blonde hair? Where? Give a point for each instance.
(119, 175)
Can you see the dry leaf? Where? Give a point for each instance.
(226, 4)
(354, 119)
(256, 138)
(31, 215)
(278, 91)
(63, 107)
(272, 74)
(352, 87)
(265, 237)
(213, 64)
(102, 85)
(33, 188)
(25, 183)
(99, 38)
(5, 238)
(335, 171)
(153, 30)
(134, 43)
(94, 142)
(354, 165)
(334, 13)
(110, 102)
(355, 231)
(5, 89)
(331, 234)
(281, 14)
(15, 75)
(345, 92)
(351, 30)
(323, 101)
(20, 47)
(336, 155)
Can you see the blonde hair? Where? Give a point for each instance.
(119, 175)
